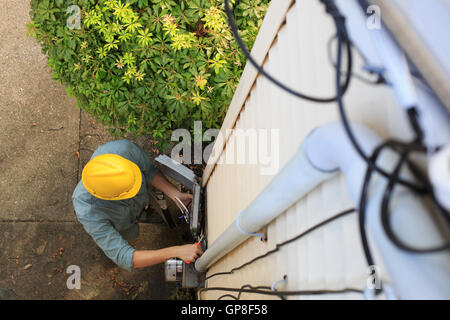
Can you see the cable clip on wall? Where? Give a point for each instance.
(276, 283)
(262, 236)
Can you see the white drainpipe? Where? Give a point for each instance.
(324, 152)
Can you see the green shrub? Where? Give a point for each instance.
(147, 66)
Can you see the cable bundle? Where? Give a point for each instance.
(404, 149)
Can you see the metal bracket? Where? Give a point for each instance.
(192, 278)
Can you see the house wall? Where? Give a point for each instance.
(292, 44)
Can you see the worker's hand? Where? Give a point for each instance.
(161, 183)
(186, 198)
(189, 252)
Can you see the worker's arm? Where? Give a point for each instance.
(110, 241)
(152, 174)
(118, 250)
(145, 258)
(161, 183)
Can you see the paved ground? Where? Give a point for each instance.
(41, 132)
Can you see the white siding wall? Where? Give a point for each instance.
(329, 258)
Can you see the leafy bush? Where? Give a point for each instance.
(147, 66)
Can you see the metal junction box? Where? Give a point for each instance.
(188, 179)
(177, 270)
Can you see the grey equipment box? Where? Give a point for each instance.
(187, 178)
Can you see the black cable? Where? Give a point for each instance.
(342, 37)
(411, 112)
(227, 296)
(362, 204)
(363, 200)
(363, 196)
(247, 54)
(344, 40)
(403, 148)
(364, 190)
(387, 195)
(279, 245)
(421, 176)
(282, 293)
(240, 293)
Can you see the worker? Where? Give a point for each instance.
(112, 198)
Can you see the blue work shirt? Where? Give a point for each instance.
(111, 223)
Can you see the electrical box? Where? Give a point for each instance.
(189, 180)
(175, 269)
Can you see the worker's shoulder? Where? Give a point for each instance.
(86, 205)
(124, 148)
(81, 198)
(117, 146)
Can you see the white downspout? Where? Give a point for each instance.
(325, 151)
(295, 180)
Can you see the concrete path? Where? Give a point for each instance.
(41, 135)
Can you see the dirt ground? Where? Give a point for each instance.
(45, 141)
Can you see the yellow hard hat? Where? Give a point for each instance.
(111, 177)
